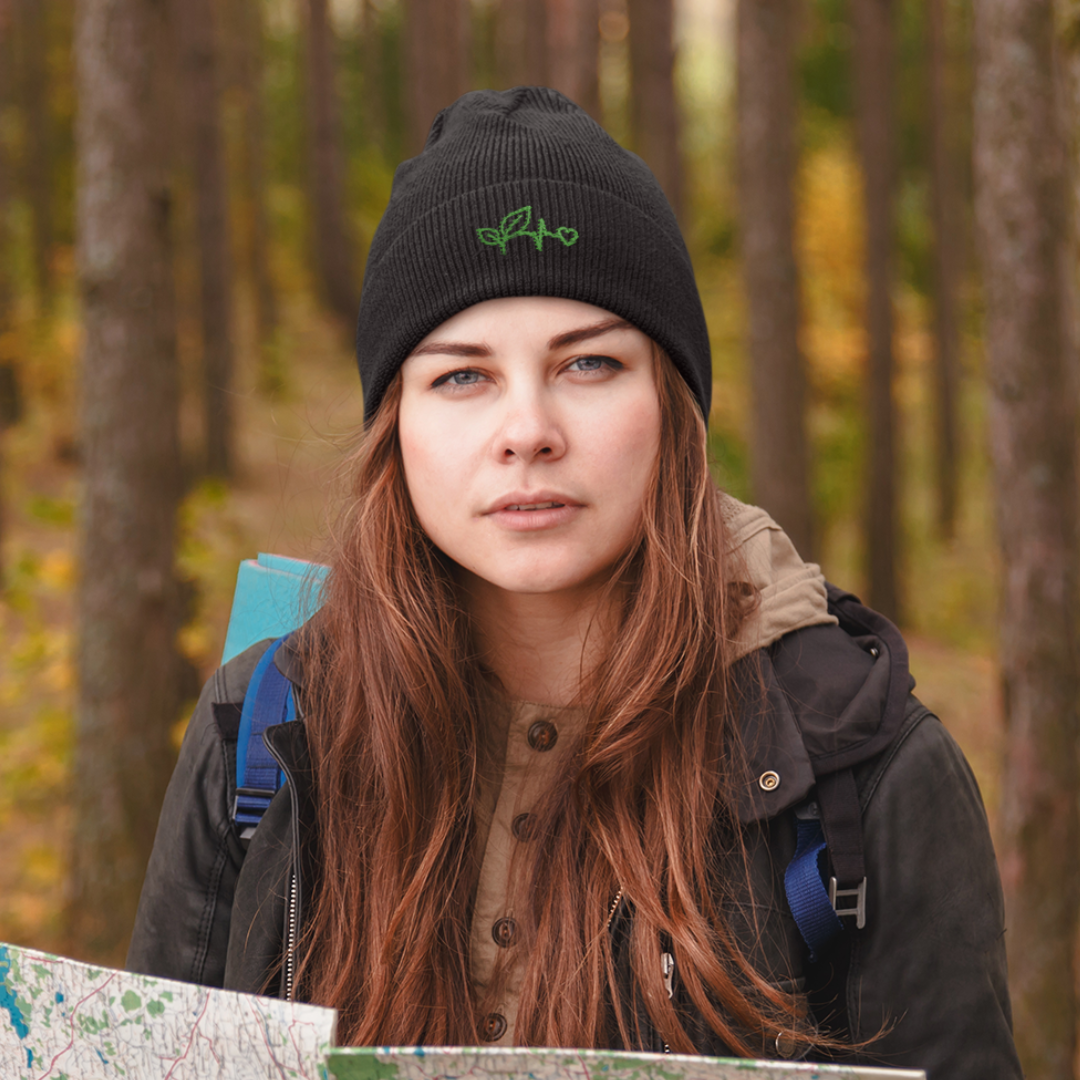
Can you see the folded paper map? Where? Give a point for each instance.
(63, 1020)
(495, 1063)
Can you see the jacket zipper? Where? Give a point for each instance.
(614, 907)
(292, 926)
(291, 934)
(667, 969)
(667, 961)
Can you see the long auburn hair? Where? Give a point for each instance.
(393, 694)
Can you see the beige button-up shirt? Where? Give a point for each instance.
(527, 743)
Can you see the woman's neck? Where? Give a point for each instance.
(540, 645)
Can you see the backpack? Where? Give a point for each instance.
(274, 595)
(829, 844)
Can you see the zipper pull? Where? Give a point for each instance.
(667, 969)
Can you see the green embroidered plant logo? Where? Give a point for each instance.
(516, 223)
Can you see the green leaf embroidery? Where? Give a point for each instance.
(493, 238)
(516, 223)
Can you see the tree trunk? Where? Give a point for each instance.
(874, 50)
(654, 110)
(573, 38)
(1023, 224)
(374, 76)
(37, 165)
(436, 60)
(766, 38)
(332, 235)
(254, 155)
(7, 292)
(521, 43)
(947, 218)
(127, 663)
(199, 79)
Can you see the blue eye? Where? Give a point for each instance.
(464, 377)
(593, 363)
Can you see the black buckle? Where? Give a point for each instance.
(859, 908)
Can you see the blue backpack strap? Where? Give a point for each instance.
(268, 701)
(807, 896)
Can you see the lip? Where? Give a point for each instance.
(526, 511)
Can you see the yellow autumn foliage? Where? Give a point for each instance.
(830, 241)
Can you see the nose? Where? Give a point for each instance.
(530, 430)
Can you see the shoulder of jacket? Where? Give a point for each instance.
(230, 682)
(922, 743)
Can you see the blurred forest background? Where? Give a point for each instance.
(176, 388)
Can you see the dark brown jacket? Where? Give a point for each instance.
(929, 966)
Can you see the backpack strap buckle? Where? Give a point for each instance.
(837, 896)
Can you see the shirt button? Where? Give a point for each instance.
(542, 735)
(522, 827)
(503, 932)
(493, 1027)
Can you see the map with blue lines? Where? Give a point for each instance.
(62, 1020)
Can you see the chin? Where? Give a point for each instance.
(546, 581)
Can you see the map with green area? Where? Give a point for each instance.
(471, 1063)
(63, 1020)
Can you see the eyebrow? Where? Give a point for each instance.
(572, 337)
(560, 341)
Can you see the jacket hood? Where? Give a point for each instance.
(791, 593)
(819, 700)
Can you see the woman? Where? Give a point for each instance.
(567, 710)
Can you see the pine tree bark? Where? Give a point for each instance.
(254, 165)
(7, 295)
(127, 665)
(947, 218)
(654, 109)
(874, 64)
(199, 76)
(766, 39)
(436, 60)
(332, 239)
(1024, 234)
(37, 163)
(573, 45)
(371, 59)
(521, 37)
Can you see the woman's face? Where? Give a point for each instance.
(529, 427)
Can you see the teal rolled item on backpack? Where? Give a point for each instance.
(274, 594)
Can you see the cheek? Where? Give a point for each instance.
(631, 443)
(426, 474)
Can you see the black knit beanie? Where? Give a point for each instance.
(521, 193)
